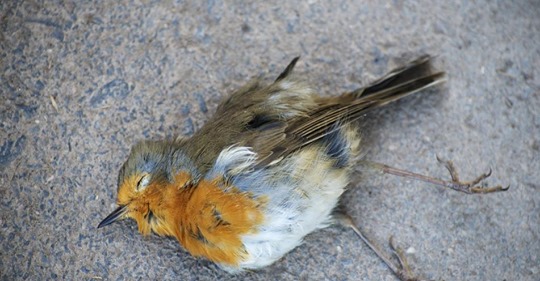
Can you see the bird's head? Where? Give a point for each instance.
(144, 181)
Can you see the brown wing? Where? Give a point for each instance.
(254, 115)
(303, 131)
(280, 118)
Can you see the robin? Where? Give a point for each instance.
(266, 170)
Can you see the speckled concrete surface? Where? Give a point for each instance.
(81, 82)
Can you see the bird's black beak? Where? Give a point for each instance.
(114, 216)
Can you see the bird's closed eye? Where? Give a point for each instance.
(143, 182)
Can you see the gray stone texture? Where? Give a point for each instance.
(82, 81)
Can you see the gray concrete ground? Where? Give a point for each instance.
(81, 81)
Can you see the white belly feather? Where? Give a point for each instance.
(302, 191)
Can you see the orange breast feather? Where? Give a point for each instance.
(211, 219)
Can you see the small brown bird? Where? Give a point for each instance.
(265, 171)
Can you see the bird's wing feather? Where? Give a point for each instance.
(305, 130)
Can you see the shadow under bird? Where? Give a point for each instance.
(266, 170)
